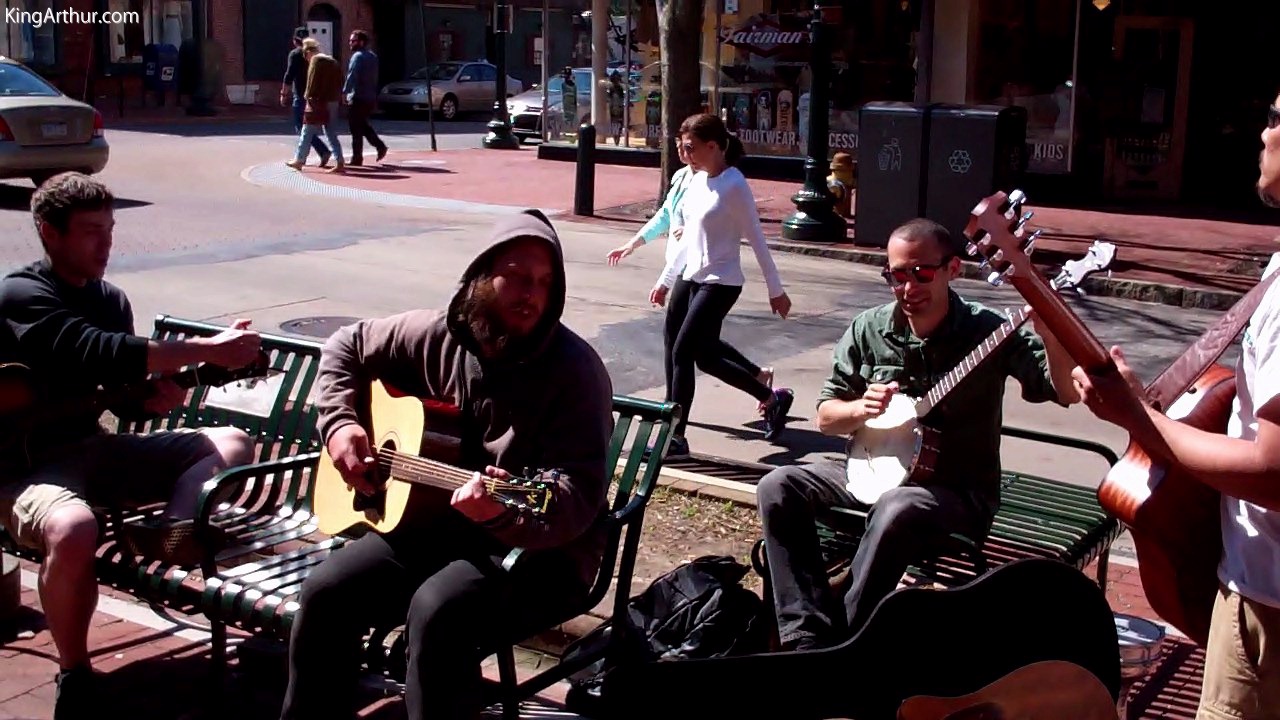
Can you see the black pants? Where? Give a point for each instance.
(906, 525)
(695, 315)
(358, 123)
(459, 603)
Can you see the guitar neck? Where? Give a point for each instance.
(432, 473)
(1071, 333)
(971, 361)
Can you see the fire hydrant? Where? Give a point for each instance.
(840, 183)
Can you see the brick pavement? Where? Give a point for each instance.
(157, 670)
(1212, 256)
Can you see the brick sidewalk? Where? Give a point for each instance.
(157, 671)
(1209, 256)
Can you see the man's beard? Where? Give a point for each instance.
(482, 316)
(1267, 198)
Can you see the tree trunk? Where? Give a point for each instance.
(680, 47)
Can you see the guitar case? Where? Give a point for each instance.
(918, 641)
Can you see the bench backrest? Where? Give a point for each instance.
(643, 429)
(276, 411)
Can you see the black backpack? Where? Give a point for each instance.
(698, 610)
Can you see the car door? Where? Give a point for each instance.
(488, 86)
(470, 88)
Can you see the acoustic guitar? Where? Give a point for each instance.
(1174, 518)
(23, 410)
(396, 433)
(1046, 690)
(900, 446)
(918, 642)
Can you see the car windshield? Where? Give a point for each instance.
(444, 71)
(19, 81)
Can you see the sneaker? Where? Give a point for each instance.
(678, 447)
(775, 416)
(324, 160)
(75, 696)
(170, 541)
(382, 152)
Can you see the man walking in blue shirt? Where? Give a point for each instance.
(361, 91)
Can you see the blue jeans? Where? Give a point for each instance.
(300, 104)
(309, 133)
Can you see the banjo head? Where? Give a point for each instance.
(880, 455)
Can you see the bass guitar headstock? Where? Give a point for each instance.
(997, 234)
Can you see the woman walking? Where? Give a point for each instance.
(666, 220)
(716, 212)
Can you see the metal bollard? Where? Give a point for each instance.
(584, 188)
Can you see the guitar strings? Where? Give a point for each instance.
(428, 470)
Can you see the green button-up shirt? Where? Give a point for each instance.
(879, 347)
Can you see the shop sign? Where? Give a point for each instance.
(764, 37)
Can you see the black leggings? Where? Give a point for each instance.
(695, 314)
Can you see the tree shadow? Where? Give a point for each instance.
(795, 443)
(18, 197)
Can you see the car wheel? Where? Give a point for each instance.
(449, 108)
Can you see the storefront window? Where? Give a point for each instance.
(24, 41)
(1027, 58)
(164, 22)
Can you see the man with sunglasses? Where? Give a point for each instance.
(1242, 658)
(903, 346)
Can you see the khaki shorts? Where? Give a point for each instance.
(1242, 661)
(99, 471)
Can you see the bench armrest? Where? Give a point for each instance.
(227, 480)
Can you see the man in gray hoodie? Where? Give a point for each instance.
(498, 371)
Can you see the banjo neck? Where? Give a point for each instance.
(971, 361)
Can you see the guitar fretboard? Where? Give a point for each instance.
(971, 361)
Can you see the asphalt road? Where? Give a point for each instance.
(194, 239)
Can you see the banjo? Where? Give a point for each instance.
(898, 447)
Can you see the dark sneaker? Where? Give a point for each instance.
(76, 696)
(324, 160)
(775, 416)
(172, 542)
(678, 447)
(382, 152)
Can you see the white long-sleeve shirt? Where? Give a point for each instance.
(716, 213)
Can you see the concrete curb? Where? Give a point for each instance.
(1096, 286)
(276, 175)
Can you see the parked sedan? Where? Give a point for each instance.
(42, 131)
(456, 87)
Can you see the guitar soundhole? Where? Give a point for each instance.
(377, 502)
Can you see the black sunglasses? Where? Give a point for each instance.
(1273, 117)
(922, 274)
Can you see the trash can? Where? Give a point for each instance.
(892, 137)
(974, 150)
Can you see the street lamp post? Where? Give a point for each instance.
(815, 218)
(500, 136)
(200, 90)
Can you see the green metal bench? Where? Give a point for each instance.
(254, 585)
(276, 413)
(1038, 518)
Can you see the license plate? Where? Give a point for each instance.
(53, 130)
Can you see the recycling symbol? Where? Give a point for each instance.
(960, 162)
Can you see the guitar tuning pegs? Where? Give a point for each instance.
(1016, 199)
(996, 278)
(971, 248)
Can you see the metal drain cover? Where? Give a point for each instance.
(321, 327)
